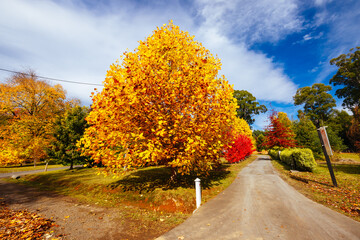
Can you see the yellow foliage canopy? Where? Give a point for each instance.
(163, 104)
(241, 127)
(28, 108)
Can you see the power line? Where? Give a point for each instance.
(52, 79)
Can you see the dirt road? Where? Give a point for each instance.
(260, 205)
(7, 175)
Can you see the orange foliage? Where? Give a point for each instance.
(163, 104)
(28, 108)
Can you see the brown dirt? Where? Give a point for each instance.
(75, 220)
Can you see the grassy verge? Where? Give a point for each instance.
(145, 196)
(346, 157)
(24, 168)
(318, 186)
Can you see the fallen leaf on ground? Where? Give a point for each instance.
(22, 224)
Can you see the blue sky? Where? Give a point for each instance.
(268, 47)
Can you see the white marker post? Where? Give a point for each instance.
(198, 192)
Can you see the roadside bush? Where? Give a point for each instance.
(239, 150)
(298, 158)
(304, 159)
(286, 156)
(274, 153)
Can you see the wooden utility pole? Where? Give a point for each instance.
(327, 151)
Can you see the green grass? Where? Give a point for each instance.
(145, 195)
(318, 186)
(347, 156)
(10, 169)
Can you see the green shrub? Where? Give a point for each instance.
(274, 153)
(298, 158)
(286, 156)
(304, 159)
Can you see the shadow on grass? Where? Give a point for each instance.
(55, 181)
(347, 168)
(142, 180)
(300, 178)
(149, 179)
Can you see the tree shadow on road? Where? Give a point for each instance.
(13, 193)
(264, 158)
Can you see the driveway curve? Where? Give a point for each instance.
(10, 174)
(260, 205)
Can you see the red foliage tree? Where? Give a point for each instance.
(354, 130)
(279, 133)
(239, 149)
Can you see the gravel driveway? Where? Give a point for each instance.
(260, 205)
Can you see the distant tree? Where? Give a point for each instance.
(354, 130)
(334, 136)
(336, 142)
(306, 134)
(69, 128)
(339, 122)
(28, 107)
(256, 133)
(260, 142)
(247, 106)
(278, 134)
(283, 118)
(259, 137)
(318, 103)
(348, 76)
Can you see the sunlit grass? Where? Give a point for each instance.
(145, 195)
(347, 156)
(318, 186)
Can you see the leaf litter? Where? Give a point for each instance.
(22, 224)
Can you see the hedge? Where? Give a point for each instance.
(298, 158)
(274, 153)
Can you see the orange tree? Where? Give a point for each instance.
(164, 104)
(28, 107)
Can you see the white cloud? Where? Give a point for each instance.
(343, 33)
(307, 37)
(341, 108)
(321, 2)
(251, 71)
(261, 121)
(244, 68)
(72, 41)
(252, 21)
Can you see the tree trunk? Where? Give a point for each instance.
(46, 165)
(71, 165)
(173, 177)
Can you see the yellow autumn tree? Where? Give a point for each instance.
(28, 108)
(163, 104)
